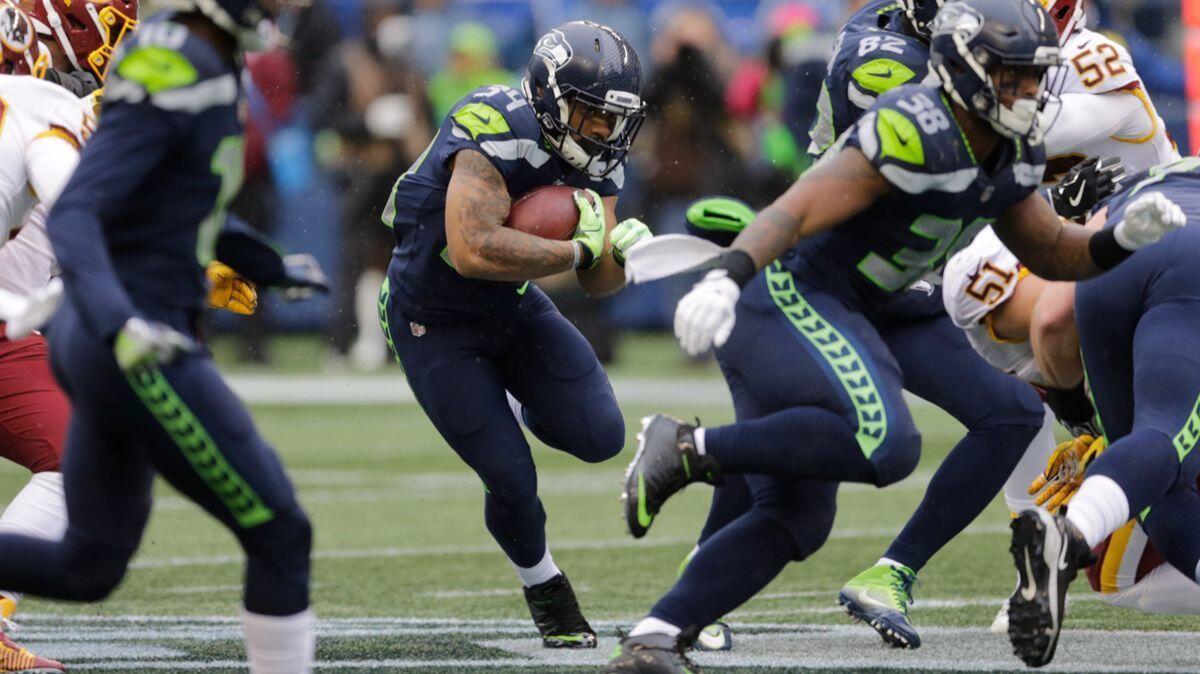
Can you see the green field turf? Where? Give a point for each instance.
(406, 577)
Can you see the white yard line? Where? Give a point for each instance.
(492, 549)
(328, 389)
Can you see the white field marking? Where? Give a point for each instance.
(918, 605)
(799, 647)
(489, 548)
(324, 389)
(451, 486)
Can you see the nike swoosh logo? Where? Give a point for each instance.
(644, 518)
(863, 598)
(1030, 590)
(884, 74)
(485, 120)
(1062, 554)
(1078, 195)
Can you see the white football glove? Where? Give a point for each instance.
(22, 315)
(704, 317)
(1149, 218)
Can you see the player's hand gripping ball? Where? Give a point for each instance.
(1065, 471)
(704, 317)
(590, 232)
(1149, 218)
(230, 291)
(625, 235)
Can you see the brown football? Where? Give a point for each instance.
(548, 212)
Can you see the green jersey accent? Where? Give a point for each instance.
(385, 291)
(198, 447)
(839, 353)
(481, 119)
(1185, 440)
(157, 68)
(882, 74)
(899, 138)
(228, 164)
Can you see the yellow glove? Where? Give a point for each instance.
(1065, 471)
(229, 291)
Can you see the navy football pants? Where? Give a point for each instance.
(182, 422)
(459, 373)
(817, 390)
(1139, 324)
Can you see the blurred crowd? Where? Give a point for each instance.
(731, 87)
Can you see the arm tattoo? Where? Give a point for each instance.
(836, 189)
(481, 206)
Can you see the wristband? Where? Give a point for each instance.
(1105, 251)
(576, 247)
(738, 265)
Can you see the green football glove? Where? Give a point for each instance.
(142, 343)
(589, 233)
(721, 214)
(625, 235)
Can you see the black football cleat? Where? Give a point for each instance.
(666, 462)
(650, 654)
(556, 613)
(1048, 552)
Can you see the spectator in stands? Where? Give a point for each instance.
(370, 104)
(470, 63)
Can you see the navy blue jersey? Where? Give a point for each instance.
(1179, 181)
(499, 123)
(872, 54)
(940, 198)
(142, 213)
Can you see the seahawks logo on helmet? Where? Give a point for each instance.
(958, 18)
(554, 48)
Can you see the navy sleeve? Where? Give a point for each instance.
(131, 141)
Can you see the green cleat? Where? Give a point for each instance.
(650, 654)
(666, 462)
(880, 597)
(556, 613)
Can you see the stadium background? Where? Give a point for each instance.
(406, 578)
(731, 87)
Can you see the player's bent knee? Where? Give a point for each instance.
(897, 457)
(94, 570)
(606, 434)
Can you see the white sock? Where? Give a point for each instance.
(654, 626)
(280, 644)
(886, 561)
(39, 509)
(518, 410)
(698, 436)
(1099, 508)
(538, 573)
(370, 350)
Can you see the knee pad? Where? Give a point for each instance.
(806, 510)
(94, 570)
(898, 456)
(606, 431)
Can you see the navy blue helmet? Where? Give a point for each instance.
(974, 42)
(240, 18)
(578, 70)
(920, 14)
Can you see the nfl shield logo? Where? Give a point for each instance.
(418, 330)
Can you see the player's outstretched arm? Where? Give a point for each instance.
(837, 188)
(1055, 337)
(1057, 250)
(479, 244)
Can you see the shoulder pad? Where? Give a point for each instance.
(496, 111)
(1095, 64)
(978, 279)
(910, 135)
(173, 69)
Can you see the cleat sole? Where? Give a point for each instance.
(890, 636)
